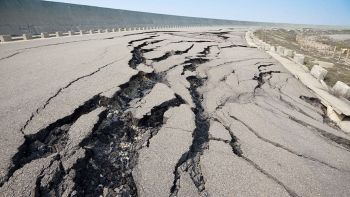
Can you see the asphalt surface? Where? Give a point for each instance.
(162, 113)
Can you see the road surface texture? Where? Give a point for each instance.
(162, 113)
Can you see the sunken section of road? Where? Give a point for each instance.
(162, 113)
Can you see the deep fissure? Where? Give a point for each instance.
(190, 161)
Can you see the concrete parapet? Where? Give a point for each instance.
(91, 31)
(106, 30)
(59, 34)
(340, 89)
(273, 48)
(280, 50)
(333, 115)
(5, 38)
(44, 35)
(267, 47)
(318, 72)
(99, 31)
(299, 58)
(288, 53)
(27, 36)
(81, 32)
(70, 33)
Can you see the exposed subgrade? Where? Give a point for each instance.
(171, 53)
(142, 39)
(206, 51)
(49, 140)
(236, 45)
(316, 102)
(112, 149)
(221, 35)
(189, 64)
(190, 161)
(263, 76)
(138, 51)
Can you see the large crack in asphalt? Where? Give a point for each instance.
(220, 34)
(111, 149)
(171, 53)
(49, 140)
(316, 102)
(47, 102)
(282, 146)
(236, 149)
(190, 161)
(236, 45)
(343, 142)
(263, 76)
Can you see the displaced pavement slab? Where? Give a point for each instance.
(228, 175)
(159, 94)
(156, 163)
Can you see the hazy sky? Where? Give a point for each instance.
(328, 12)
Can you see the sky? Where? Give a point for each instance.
(318, 12)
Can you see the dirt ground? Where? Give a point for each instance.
(288, 39)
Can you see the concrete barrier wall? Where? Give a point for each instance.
(33, 16)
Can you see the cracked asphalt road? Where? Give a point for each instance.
(162, 113)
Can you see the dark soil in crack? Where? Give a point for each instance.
(171, 53)
(206, 51)
(312, 101)
(50, 140)
(190, 161)
(142, 39)
(112, 150)
(236, 45)
(138, 51)
(137, 56)
(236, 147)
(317, 103)
(263, 76)
(220, 34)
(188, 64)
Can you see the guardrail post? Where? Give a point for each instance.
(58, 34)
(5, 38)
(44, 35)
(27, 37)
